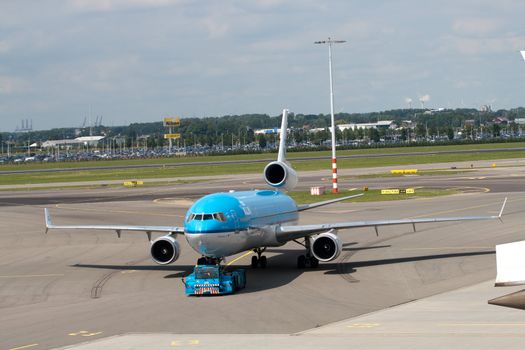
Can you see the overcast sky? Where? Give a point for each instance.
(141, 60)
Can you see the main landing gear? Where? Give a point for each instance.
(259, 260)
(307, 260)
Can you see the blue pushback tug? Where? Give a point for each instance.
(214, 280)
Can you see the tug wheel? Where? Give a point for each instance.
(255, 262)
(263, 262)
(301, 261)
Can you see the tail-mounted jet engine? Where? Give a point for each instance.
(326, 246)
(280, 175)
(165, 250)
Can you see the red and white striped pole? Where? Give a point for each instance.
(334, 159)
(334, 175)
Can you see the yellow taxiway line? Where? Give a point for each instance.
(239, 258)
(24, 347)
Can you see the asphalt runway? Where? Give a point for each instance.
(510, 176)
(71, 287)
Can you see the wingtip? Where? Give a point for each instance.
(47, 218)
(502, 208)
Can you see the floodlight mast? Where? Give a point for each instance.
(334, 159)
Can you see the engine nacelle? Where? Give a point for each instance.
(165, 250)
(280, 175)
(326, 246)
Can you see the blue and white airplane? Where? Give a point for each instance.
(223, 224)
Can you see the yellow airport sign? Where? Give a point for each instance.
(172, 121)
(133, 183)
(172, 136)
(398, 191)
(403, 171)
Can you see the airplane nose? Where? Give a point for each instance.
(198, 242)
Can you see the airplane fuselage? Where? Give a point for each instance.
(223, 224)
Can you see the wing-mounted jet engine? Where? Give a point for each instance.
(326, 246)
(280, 174)
(165, 250)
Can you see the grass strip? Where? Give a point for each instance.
(258, 156)
(433, 172)
(228, 169)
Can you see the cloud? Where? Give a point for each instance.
(482, 36)
(11, 85)
(4, 47)
(135, 58)
(466, 84)
(113, 75)
(116, 5)
(216, 27)
(483, 46)
(476, 26)
(269, 3)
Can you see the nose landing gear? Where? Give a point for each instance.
(206, 260)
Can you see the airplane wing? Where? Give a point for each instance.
(117, 228)
(330, 201)
(288, 232)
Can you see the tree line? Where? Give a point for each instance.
(240, 129)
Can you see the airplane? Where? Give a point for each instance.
(510, 272)
(223, 224)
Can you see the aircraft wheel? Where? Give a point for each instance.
(314, 262)
(262, 262)
(301, 261)
(255, 262)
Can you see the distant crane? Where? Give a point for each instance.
(26, 126)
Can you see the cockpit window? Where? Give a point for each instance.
(219, 217)
(215, 216)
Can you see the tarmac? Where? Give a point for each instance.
(459, 319)
(401, 288)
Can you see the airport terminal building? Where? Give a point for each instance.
(70, 143)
